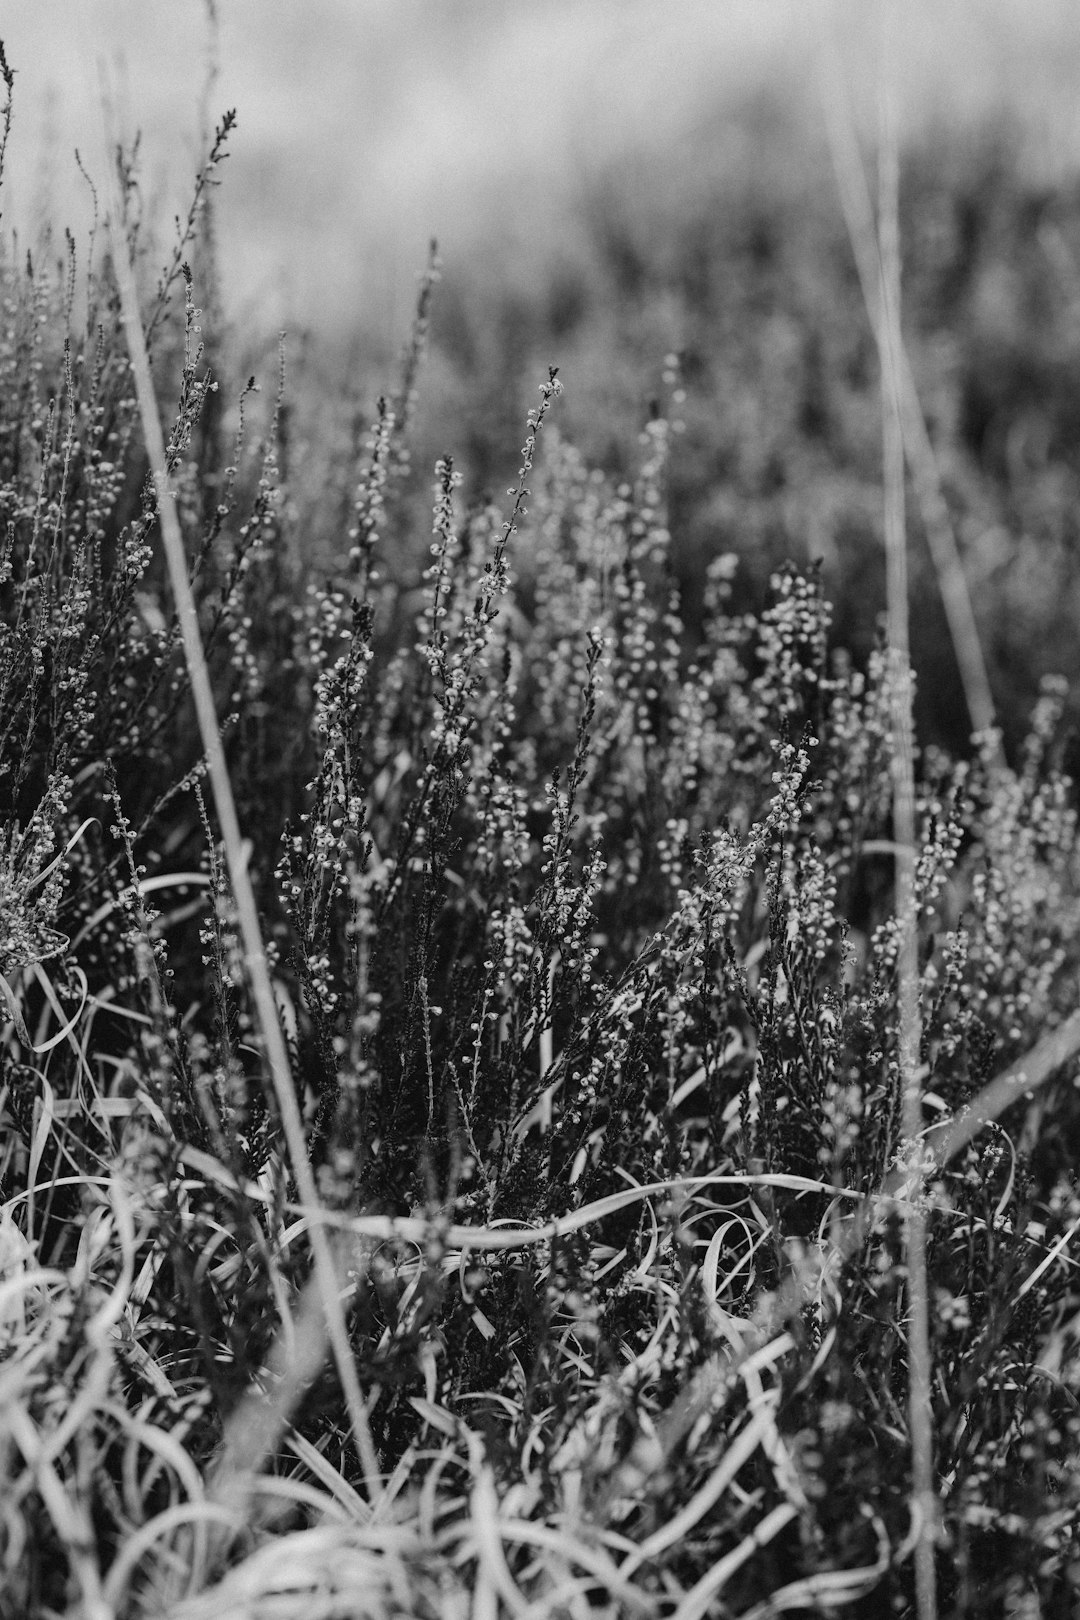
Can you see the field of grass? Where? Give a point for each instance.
(520, 1094)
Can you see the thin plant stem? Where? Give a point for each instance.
(858, 211)
(924, 1497)
(326, 1269)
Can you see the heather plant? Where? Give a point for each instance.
(577, 905)
(739, 258)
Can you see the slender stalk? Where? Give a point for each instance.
(858, 210)
(326, 1269)
(924, 1497)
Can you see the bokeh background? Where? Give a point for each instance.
(614, 181)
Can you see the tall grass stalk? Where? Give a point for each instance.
(858, 210)
(924, 1498)
(326, 1267)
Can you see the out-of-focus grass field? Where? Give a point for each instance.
(609, 184)
(367, 125)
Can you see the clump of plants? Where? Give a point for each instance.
(579, 926)
(733, 250)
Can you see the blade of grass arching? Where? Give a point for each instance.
(326, 1270)
(67, 1512)
(680, 1525)
(858, 214)
(924, 1497)
(699, 1599)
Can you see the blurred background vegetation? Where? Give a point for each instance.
(613, 183)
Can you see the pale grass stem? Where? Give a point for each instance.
(858, 211)
(326, 1268)
(924, 1496)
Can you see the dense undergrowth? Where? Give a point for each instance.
(577, 900)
